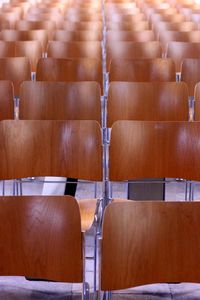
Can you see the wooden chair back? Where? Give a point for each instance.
(83, 69)
(83, 17)
(129, 17)
(40, 35)
(28, 151)
(190, 73)
(150, 149)
(174, 26)
(16, 70)
(6, 100)
(197, 102)
(91, 49)
(128, 25)
(146, 242)
(81, 35)
(35, 25)
(42, 100)
(158, 69)
(132, 36)
(147, 101)
(179, 51)
(43, 238)
(74, 26)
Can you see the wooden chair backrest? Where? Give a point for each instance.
(158, 69)
(82, 17)
(42, 100)
(83, 69)
(147, 101)
(179, 51)
(150, 242)
(40, 35)
(91, 49)
(175, 26)
(73, 26)
(132, 50)
(129, 26)
(15, 69)
(50, 148)
(134, 36)
(129, 17)
(149, 149)
(197, 102)
(6, 100)
(31, 25)
(43, 238)
(190, 73)
(179, 36)
(81, 35)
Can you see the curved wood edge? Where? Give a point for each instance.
(87, 210)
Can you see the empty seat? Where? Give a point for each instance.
(116, 49)
(132, 26)
(59, 49)
(134, 36)
(6, 100)
(40, 35)
(83, 69)
(42, 100)
(72, 36)
(158, 69)
(149, 242)
(190, 73)
(16, 70)
(151, 101)
(47, 230)
(82, 25)
(178, 51)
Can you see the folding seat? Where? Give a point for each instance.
(47, 230)
(73, 26)
(179, 51)
(132, 26)
(132, 50)
(30, 49)
(178, 36)
(197, 102)
(151, 101)
(39, 35)
(7, 49)
(149, 242)
(134, 36)
(127, 18)
(42, 100)
(83, 17)
(155, 18)
(10, 17)
(35, 10)
(81, 35)
(56, 18)
(158, 69)
(28, 151)
(16, 70)
(57, 69)
(174, 26)
(6, 100)
(34, 25)
(88, 49)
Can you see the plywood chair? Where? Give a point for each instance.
(81, 35)
(40, 35)
(49, 26)
(132, 26)
(154, 150)
(174, 26)
(73, 26)
(190, 73)
(47, 230)
(133, 36)
(56, 18)
(129, 17)
(155, 18)
(16, 70)
(27, 151)
(42, 100)
(197, 102)
(30, 49)
(179, 51)
(161, 244)
(178, 36)
(91, 49)
(158, 69)
(6, 100)
(151, 101)
(132, 50)
(7, 49)
(83, 69)
(83, 17)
